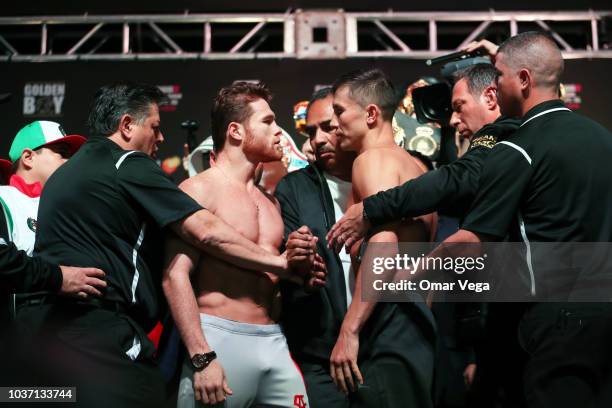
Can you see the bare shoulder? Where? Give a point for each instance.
(375, 170)
(269, 197)
(382, 158)
(200, 186)
(369, 158)
(409, 166)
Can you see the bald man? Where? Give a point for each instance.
(549, 182)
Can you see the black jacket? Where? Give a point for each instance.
(450, 189)
(311, 321)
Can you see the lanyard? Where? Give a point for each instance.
(544, 113)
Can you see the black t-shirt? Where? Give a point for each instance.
(106, 208)
(549, 182)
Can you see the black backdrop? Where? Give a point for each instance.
(290, 80)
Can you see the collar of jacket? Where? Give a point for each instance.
(316, 174)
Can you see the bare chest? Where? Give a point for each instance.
(252, 214)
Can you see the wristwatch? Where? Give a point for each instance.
(201, 361)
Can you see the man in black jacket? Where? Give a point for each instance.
(19, 272)
(451, 188)
(315, 197)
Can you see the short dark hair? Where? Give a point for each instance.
(370, 86)
(321, 93)
(113, 101)
(318, 95)
(538, 52)
(478, 77)
(232, 105)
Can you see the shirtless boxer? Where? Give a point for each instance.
(236, 352)
(397, 349)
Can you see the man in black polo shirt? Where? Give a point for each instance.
(549, 182)
(109, 208)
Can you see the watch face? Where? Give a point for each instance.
(199, 361)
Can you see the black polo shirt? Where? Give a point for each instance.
(106, 208)
(551, 177)
(548, 182)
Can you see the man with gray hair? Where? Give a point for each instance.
(110, 207)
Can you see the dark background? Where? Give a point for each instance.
(290, 80)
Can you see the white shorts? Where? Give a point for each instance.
(258, 366)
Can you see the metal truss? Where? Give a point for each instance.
(294, 34)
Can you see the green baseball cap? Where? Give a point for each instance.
(42, 133)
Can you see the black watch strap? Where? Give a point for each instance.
(201, 361)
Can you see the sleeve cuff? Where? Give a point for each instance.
(484, 230)
(179, 215)
(372, 210)
(56, 278)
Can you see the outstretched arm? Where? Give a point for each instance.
(455, 184)
(212, 235)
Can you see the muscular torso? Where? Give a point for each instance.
(223, 289)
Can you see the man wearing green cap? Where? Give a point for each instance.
(36, 152)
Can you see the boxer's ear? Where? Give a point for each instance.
(235, 131)
(373, 114)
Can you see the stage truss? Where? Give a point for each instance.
(301, 34)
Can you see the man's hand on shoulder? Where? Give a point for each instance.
(82, 282)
